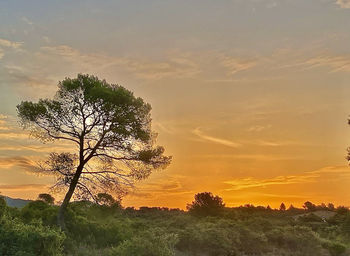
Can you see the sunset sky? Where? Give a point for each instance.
(250, 97)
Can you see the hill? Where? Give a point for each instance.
(16, 202)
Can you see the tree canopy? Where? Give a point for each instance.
(206, 203)
(111, 129)
(47, 198)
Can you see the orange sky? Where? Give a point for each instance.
(249, 97)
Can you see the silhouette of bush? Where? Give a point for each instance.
(47, 198)
(206, 204)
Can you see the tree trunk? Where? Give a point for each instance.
(64, 205)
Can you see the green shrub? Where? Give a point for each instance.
(3, 206)
(19, 239)
(335, 248)
(154, 242)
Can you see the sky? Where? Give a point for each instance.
(250, 97)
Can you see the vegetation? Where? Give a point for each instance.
(108, 229)
(111, 130)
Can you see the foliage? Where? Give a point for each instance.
(47, 198)
(206, 204)
(32, 239)
(282, 207)
(107, 230)
(153, 242)
(3, 206)
(106, 199)
(309, 206)
(111, 129)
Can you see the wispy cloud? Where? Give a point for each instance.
(27, 20)
(216, 140)
(307, 177)
(23, 162)
(21, 187)
(258, 128)
(274, 143)
(246, 183)
(235, 65)
(9, 44)
(256, 157)
(174, 66)
(335, 63)
(171, 186)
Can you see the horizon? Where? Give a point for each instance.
(249, 97)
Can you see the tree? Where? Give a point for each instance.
(111, 130)
(106, 199)
(47, 198)
(282, 207)
(206, 204)
(330, 207)
(309, 206)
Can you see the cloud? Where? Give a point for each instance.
(27, 21)
(10, 44)
(7, 133)
(335, 63)
(343, 3)
(274, 143)
(256, 157)
(3, 125)
(258, 128)
(171, 186)
(21, 187)
(7, 44)
(173, 66)
(239, 184)
(216, 140)
(307, 177)
(341, 169)
(23, 162)
(20, 75)
(234, 65)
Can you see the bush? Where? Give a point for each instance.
(335, 248)
(206, 204)
(154, 242)
(19, 239)
(3, 206)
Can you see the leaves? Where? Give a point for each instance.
(109, 125)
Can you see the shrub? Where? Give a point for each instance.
(154, 242)
(19, 239)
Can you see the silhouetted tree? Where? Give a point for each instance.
(330, 207)
(206, 204)
(47, 198)
(106, 199)
(309, 206)
(110, 128)
(282, 207)
(291, 208)
(342, 210)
